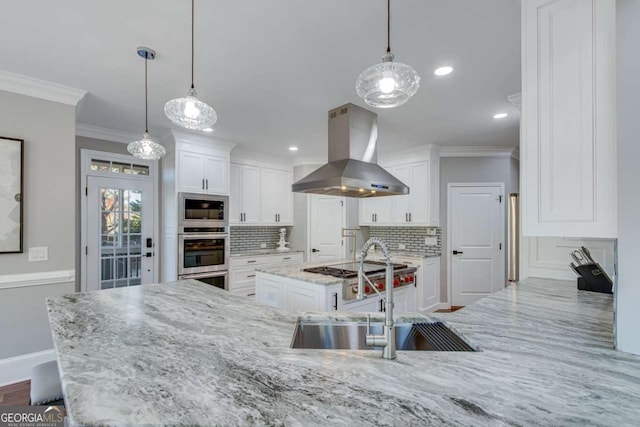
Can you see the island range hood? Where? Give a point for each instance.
(352, 170)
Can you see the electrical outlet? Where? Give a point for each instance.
(39, 254)
(263, 246)
(402, 246)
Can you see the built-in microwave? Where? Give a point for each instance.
(203, 211)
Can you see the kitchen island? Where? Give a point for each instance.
(188, 353)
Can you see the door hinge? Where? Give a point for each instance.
(86, 250)
(341, 203)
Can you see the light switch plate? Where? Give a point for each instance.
(432, 231)
(40, 253)
(263, 246)
(402, 246)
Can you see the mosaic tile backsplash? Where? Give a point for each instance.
(411, 237)
(243, 239)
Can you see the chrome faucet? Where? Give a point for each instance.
(388, 337)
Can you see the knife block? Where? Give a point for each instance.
(594, 279)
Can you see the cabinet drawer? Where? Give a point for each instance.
(245, 292)
(249, 261)
(286, 258)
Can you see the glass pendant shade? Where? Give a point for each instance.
(146, 148)
(190, 113)
(388, 84)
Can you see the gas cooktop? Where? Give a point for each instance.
(349, 270)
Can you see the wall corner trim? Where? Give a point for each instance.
(36, 88)
(18, 368)
(10, 281)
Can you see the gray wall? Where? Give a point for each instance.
(48, 129)
(628, 70)
(468, 170)
(97, 145)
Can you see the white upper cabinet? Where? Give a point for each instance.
(568, 141)
(244, 199)
(276, 196)
(202, 172)
(420, 207)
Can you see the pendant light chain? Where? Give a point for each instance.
(146, 96)
(388, 26)
(192, 41)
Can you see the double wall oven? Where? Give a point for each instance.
(203, 238)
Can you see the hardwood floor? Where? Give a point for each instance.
(15, 394)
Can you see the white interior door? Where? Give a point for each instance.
(120, 222)
(476, 236)
(326, 220)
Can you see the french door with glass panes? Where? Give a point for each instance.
(120, 227)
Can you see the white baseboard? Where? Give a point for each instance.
(16, 369)
(9, 281)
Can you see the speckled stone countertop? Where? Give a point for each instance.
(296, 272)
(257, 252)
(188, 353)
(406, 254)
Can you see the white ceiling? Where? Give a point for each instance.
(272, 69)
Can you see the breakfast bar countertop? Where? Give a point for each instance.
(185, 353)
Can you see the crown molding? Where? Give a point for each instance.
(183, 136)
(479, 151)
(516, 100)
(105, 134)
(36, 88)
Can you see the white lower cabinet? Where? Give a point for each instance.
(295, 295)
(367, 305)
(271, 293)
(242, 271)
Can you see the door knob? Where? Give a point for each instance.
(315, 250)
(458, 252)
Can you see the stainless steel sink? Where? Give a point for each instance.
(421, 336)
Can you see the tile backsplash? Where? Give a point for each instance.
(411, 237)
(250, 238)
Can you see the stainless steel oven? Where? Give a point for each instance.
(202, 253)
(203, 210)
(218, 279)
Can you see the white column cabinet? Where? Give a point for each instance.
(568, 140)
(244, 199)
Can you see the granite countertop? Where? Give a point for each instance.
(188, 353)
(256, 252)
(295, 272)
(407, 254)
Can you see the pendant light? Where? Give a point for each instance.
(388, 84)
(146, 148)
(189, 112)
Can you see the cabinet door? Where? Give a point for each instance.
(268, 196)
(284, 207)
(216, 175)
(250, 194)
(305, 298)
(428, 281)
(236, 194)
(419, 196)
(191, 172)
(382, 209)
(367, 209)
(401, 204)
(568, 154)
(269, 292)
(242, 279)
(401, 300)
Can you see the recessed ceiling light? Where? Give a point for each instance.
(500, 115)
(207, 130)
(443, 71)
(293, 148)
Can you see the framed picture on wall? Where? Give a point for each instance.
(11, 165)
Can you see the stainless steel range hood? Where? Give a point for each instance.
(352, 170)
